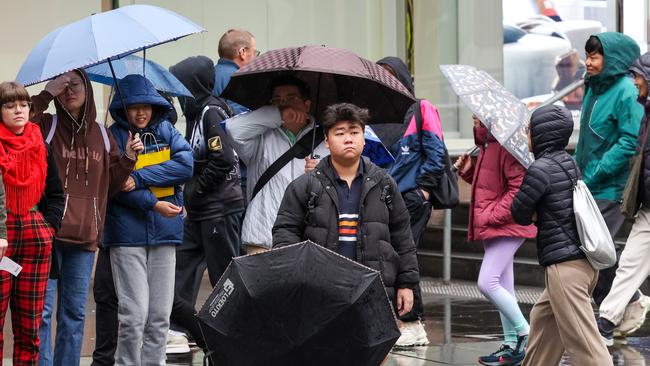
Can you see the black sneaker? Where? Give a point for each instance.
(606, 330)
(498, 357)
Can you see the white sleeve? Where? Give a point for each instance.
(246, 129)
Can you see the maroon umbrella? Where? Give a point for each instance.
(334, 75)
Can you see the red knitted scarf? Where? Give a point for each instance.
(23, 163)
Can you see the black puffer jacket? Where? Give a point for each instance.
(309, 212)
(547, 190)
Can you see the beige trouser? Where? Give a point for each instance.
(633, 269)
(563, 320)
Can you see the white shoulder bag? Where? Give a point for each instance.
(594, 235)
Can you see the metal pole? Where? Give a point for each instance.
(446, 249)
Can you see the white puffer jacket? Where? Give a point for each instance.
(259, 141)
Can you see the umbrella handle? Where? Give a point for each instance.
(471, 152)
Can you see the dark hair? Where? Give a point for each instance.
(344, 112)
(232, 41)
(11, 91)
(593, 45)
(284, 80)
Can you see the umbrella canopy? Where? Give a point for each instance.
(298, 305)
(100, 37)
(502, 113)
(375, 150)
(161, 79)
(334, 75)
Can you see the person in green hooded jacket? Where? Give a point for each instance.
(609, 125)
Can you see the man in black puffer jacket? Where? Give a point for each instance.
(350, 206)
(562, 319)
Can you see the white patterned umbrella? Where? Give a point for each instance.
(505, 116)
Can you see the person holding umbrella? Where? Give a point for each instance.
(31, 204)
(260, 138)
(350, 206)
(495, 176)
(91, 168)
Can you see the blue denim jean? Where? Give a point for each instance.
(75, 267)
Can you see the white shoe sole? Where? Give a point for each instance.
(171, 350)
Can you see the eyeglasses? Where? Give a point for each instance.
(257, 52)
(289, 99)
(17, 105)
(75, 85)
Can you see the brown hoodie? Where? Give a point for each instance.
(89, 173)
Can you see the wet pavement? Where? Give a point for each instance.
(460, 330)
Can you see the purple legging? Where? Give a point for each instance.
(496, 282)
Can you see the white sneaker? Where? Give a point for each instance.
(634, 316)
(413, 334)
(177, 342)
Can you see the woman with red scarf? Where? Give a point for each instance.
(31, 206)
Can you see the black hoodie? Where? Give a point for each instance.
(547, 190)
(215, 188)
(391, 133)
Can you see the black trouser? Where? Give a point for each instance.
(614, 219)
(106, 323)
(420, 212)
(211, 242)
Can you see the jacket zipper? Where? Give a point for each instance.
(477, 170)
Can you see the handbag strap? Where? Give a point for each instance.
(574, 183)
(419, 122)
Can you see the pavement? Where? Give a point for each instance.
(461, 326)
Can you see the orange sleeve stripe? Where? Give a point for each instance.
(348, 231)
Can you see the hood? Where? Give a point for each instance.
(482, 135)
(620, 52)
(136, 89)
(400, 68)
(550, 128)
(642, 67)
(197, 74)
(89, 113)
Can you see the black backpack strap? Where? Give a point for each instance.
(419, 122)
(300, 149)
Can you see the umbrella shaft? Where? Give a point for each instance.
(561, 94)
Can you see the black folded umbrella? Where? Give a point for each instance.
(298, 305)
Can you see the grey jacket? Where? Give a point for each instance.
(259, 141)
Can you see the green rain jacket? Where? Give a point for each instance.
(610, 120)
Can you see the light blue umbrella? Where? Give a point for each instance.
(102, 37)
(161, 79)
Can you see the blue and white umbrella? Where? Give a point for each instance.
(375, 149)
(102, 37)
(161, 79)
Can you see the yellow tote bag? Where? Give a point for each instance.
(162, 155)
